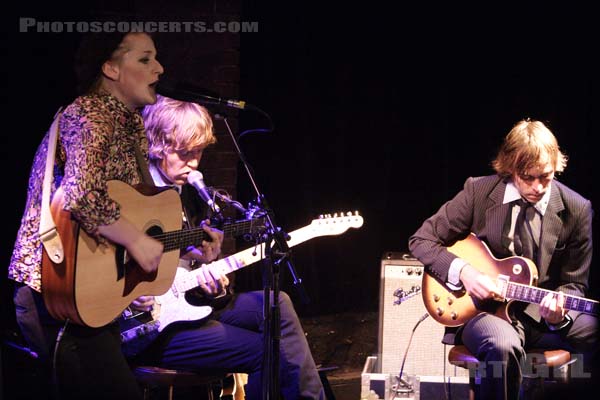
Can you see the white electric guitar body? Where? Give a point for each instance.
(139, 330)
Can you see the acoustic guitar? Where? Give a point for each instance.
(95, 282)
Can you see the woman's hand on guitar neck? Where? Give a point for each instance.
(209, 250)
(479, 285)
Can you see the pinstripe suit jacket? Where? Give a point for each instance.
(565, 252)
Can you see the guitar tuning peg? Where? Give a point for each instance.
(349, 213)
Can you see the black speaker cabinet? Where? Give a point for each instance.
(400, 310)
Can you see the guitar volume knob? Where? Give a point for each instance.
(450, 301)
(436, 298)
(453, 315)
(439, 311)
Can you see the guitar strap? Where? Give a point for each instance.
(142, 165)
(47, 230)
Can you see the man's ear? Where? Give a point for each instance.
(111, 70)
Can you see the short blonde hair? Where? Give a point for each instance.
(526, 146)
(173, 125)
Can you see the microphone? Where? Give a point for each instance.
(188, 93)
(196, 179)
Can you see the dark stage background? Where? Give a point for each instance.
(385, 111)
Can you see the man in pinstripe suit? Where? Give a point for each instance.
(489, 206)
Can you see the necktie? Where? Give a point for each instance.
(526, 237)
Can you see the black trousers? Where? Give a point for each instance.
(232, 341)
(82, 362)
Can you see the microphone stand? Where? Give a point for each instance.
(274, 255)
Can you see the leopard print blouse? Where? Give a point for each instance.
(97, 137)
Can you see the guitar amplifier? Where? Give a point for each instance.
(401, 310)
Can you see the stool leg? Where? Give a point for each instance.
(474, 382)
(472, 388)
(146, 392)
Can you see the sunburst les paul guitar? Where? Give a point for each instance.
(140, 330)
(95, 282)
(516, 278)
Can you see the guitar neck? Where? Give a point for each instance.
(532, 294)
(323, 226)
(176, 240)
(239, 260)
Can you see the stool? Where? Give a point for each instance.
(151, 377)
(539, 364)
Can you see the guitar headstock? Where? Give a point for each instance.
(337, 223)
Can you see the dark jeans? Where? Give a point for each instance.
(232, 341)
(88, 363)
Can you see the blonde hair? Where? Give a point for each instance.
(526, 146)
(173, 125)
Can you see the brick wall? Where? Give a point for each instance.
(204, 60)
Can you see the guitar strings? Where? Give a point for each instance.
(521, 291)
(175, 239)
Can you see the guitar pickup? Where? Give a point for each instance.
(128, 313)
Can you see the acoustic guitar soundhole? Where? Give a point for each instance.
(129, 269)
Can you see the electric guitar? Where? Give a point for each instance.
(516, 278)
(96, 281)
(139, 330)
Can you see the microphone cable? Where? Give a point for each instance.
(400, 379)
